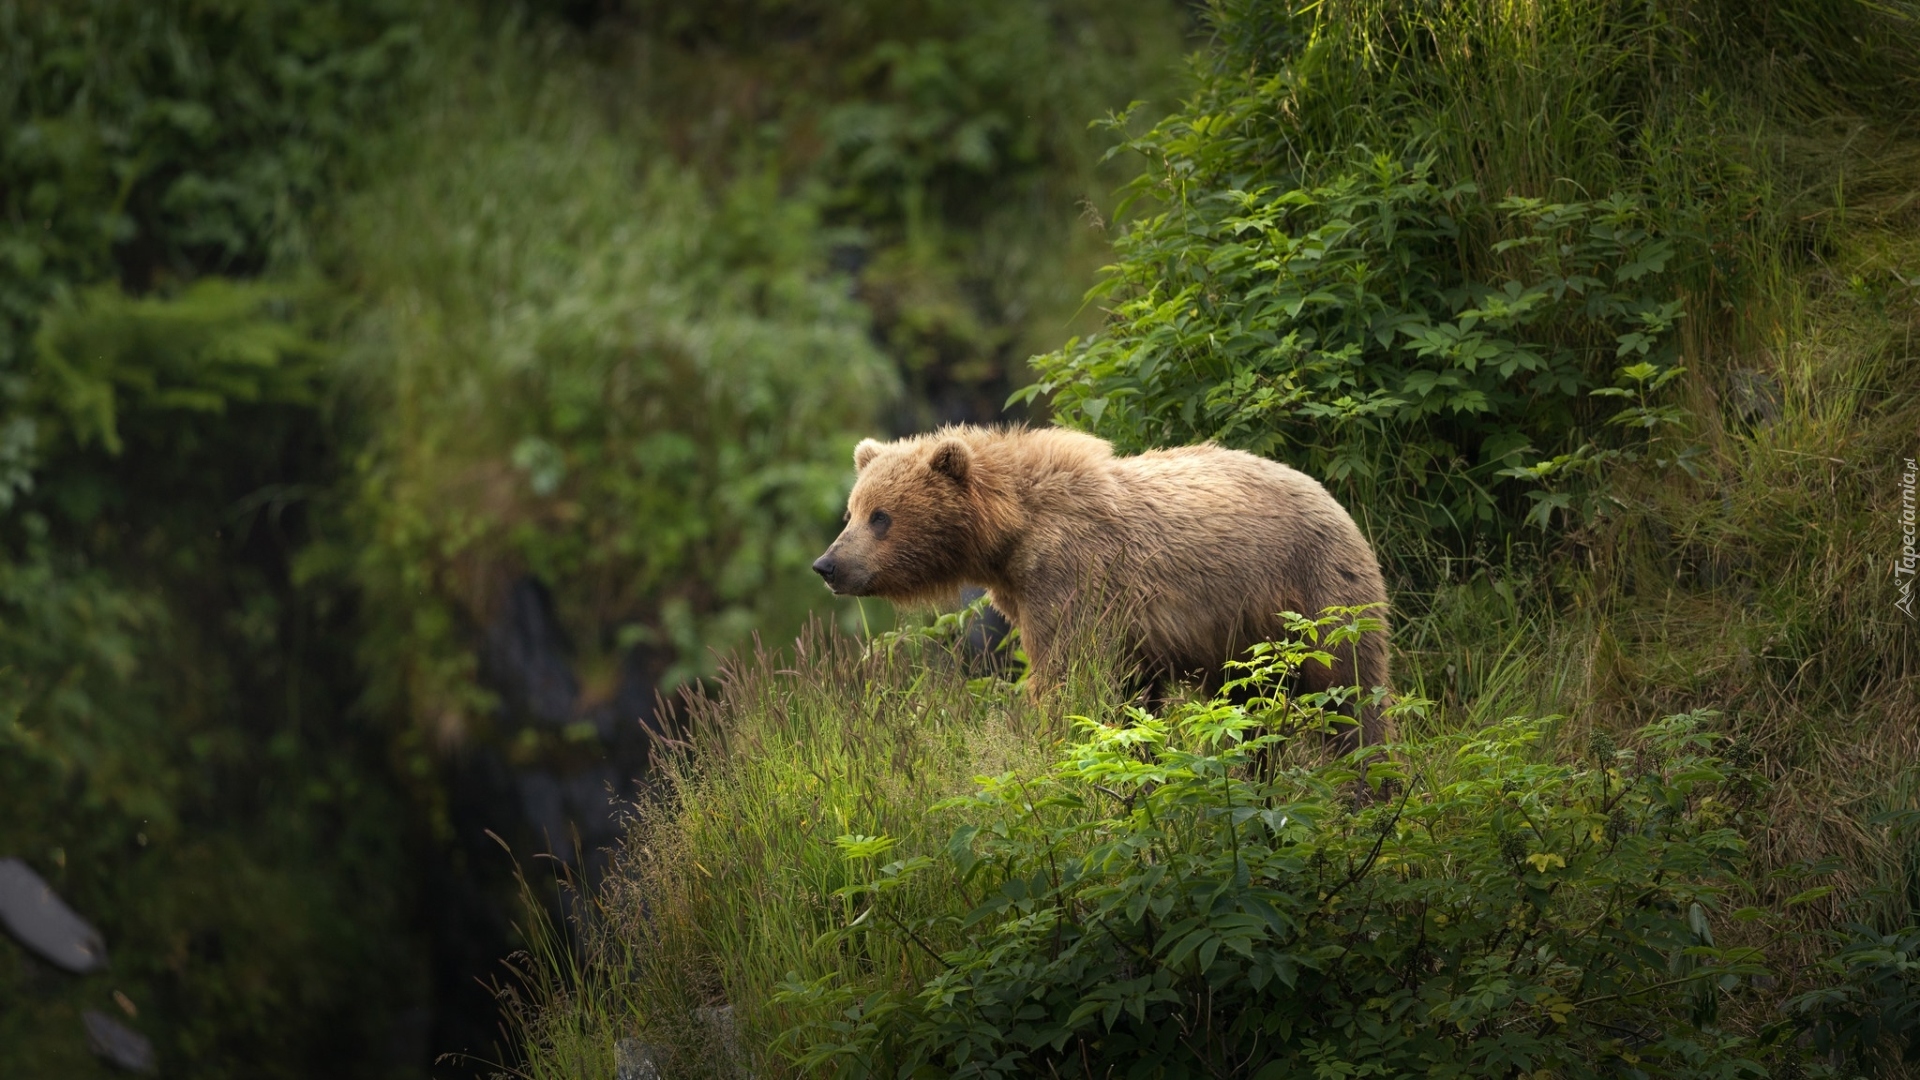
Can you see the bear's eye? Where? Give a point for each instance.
(881, 522)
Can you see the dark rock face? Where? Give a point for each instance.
(568, 802)
(42, 922)
(542, 785)
(526, 658)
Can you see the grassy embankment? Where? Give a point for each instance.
(1753, 577)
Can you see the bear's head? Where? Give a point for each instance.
(913, 521)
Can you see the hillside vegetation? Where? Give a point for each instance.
(1601, 318)
(394, 394)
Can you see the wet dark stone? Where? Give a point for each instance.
(117, 1043)
(42, 922)
(635, 1060)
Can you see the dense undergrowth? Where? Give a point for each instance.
(1601, 318)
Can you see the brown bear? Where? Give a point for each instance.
(1205, 546)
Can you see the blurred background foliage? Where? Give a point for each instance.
(582, 362)
(178, 754)
(394, 393)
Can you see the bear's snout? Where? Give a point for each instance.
(844, 571)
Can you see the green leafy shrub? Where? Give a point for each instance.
(1331, 323)
(1174, 898)
(70, 641)
(1405, 245)
(158, 142)
(103, 356)
(1871, 997)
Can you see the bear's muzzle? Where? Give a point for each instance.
(846, 573)
(826, 568)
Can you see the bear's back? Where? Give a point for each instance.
(1217, 541)
(1209, 487)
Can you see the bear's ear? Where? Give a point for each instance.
(865, 453)
(952, 458)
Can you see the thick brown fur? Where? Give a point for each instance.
(1202, 547)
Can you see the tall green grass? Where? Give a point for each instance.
(1762, 583)
(726, 885)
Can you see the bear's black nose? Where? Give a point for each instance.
(824, 567)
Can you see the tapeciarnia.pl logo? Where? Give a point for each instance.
(1904, 566)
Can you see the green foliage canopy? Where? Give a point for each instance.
(160, 141)
(946, 144)
(101, 356)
